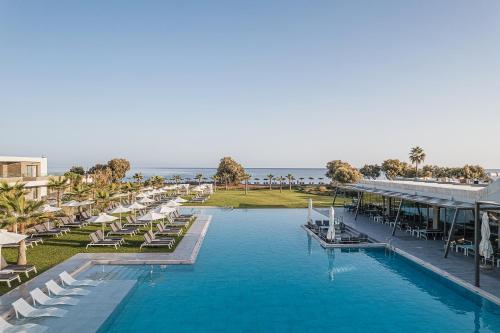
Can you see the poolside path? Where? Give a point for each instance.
(185, 253)
(428, 251)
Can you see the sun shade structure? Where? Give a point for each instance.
(71, 203)
(180, 200)
(102, 218)
(150, 217)
(136, 206)
(172, 203)
(49, 209)
(145, 200)
(164, 209)
(9, 238)
(119, 210)
(409, 197)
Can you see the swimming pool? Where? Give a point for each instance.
(259, 272)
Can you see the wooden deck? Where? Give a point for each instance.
(429, 251)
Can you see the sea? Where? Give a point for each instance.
(188, 174)
(318, 174)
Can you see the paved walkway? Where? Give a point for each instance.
(427, 251)
(91, 311)
(185, 253)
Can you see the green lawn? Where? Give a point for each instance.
(265, 198)
(56, 250)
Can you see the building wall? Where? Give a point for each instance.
(15, 169)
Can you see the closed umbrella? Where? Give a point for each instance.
(330, 234)
(150, 217)
(102, 218)
(119, 210)
(485, 248)
(8, 238)
(309, 210)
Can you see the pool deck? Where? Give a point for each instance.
(428, 253)
(184, 254)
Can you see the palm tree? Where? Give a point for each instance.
(79, 192)
(281, 179)
(226, 177)
(270, 177)
(138, 177)
(246, 177)
(215, 178)
(199, 177)
(6, 188)
(21, 212)
(177, 179)
(73, 178)
(102, 199)
(417, 156)
(59, 185)
(290, 179)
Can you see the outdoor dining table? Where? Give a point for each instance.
(465, 247)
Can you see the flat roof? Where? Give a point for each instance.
(432, 201)
(451, 186)
(21, 159)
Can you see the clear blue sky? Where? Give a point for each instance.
(271, 83)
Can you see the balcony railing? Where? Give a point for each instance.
(13, 180)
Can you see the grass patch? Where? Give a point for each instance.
(265, 198)
(55, 250)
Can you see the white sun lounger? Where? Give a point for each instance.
(57, 290)
(39, 297)
(22, 308)
(68, 280)
(25, 328)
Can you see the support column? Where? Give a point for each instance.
(335, 196)
(358, 205)
(452, 228)
(397, 217)
(435, 217)
(476, 244)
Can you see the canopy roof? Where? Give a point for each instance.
(409, 197)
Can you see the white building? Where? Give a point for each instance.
(30, 171)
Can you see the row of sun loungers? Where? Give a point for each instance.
(200, 198)
(44, 305)
(97, 238)
(10, 273)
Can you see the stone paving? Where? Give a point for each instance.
(428, 253)
(185, 253)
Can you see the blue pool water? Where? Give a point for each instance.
(259, 272)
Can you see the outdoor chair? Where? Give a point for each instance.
(40, 298)
(23, 309)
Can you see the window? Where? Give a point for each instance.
(31, 171)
